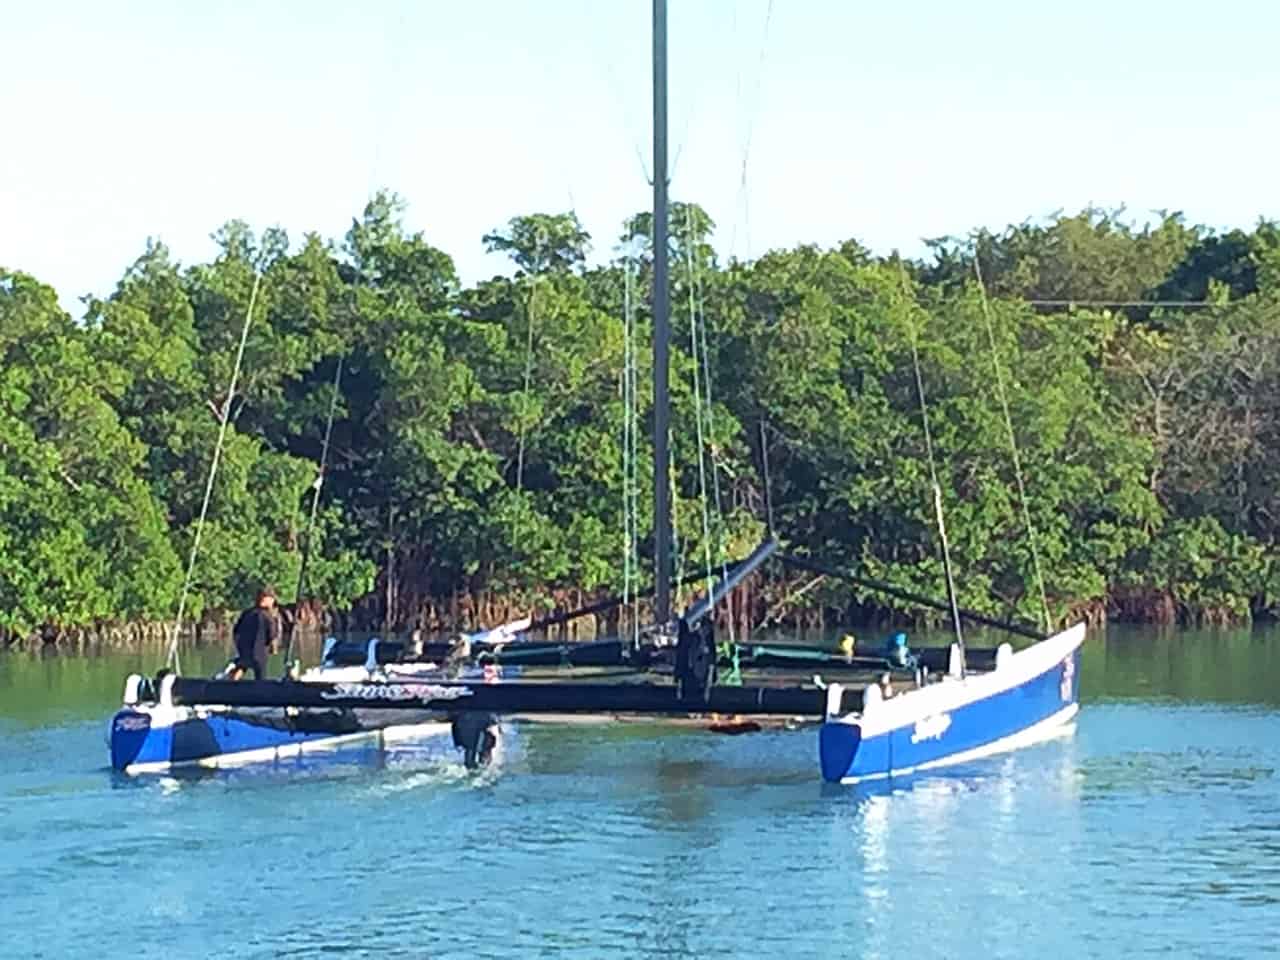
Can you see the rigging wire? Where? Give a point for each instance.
(630, 521)
(715, 467)
(697, 401)
(933, 472)
(1013, 445)
(315, 505)
(528, 361)
(677, 545)
(635, 463)
(392, 76)
(768, 486)
(615, 88)
(1178, 304)
(224, 419)
(626, 436)
(692, 102)
(703, 408)
(744, 193)
(742, 214)
(673, 490)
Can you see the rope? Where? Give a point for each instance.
(224, 419)
(1013, 445)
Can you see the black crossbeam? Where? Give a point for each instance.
(501, 698)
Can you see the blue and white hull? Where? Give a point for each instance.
(151, 739)
(160, 736)
(1030, 696)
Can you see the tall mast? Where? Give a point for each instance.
(661, 331)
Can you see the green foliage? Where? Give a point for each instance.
(1093, 256)
(542, 242)
(476, 449)
(82, 537)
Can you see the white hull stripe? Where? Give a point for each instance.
(285, 751)
(949, 695)
(1053, 726)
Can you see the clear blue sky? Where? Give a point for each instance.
(129, 120)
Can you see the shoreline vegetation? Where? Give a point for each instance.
(476, 472)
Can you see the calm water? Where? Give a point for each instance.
(1155, 830)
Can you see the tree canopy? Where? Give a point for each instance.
(477, 462)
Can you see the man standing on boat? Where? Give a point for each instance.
(257, 630)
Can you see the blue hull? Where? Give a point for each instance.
(984, 724)
(140, 739)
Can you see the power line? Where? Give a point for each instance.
(1124, 303)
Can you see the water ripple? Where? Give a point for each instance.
(1155, 829)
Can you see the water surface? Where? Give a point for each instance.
(1154, 830)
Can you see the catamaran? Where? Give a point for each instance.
(880, 714)
(952, 704)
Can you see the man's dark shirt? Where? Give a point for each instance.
(254, 633)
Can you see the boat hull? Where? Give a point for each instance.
(154, 736)
(1032, 695)
(153, 739)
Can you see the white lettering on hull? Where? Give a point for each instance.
(394, 691)
(931, 728)
(1068, 674)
